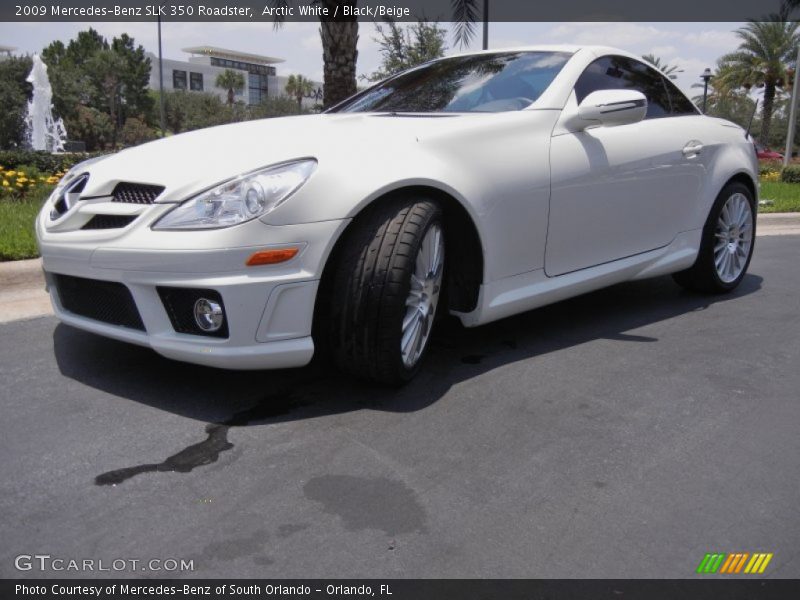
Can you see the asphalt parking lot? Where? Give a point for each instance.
(624, 433)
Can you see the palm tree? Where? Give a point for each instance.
(667, 69)
(765, 51)
(340, 41)
(339, 47)
(299, 87)
(787, 7)
(230, 80)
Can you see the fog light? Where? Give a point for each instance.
(208, 314)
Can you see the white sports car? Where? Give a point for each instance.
(484, 184)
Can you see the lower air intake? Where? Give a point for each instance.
(106, 301)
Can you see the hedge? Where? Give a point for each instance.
(42, 161)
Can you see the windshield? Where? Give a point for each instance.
(478, 83)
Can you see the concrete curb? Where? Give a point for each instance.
(22, 294)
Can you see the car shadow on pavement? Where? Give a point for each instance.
(224, 399)
(457, 354)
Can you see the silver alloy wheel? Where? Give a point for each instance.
(426, 283)
(733, 237)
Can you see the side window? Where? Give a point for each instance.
(681, 105)
(620, 73)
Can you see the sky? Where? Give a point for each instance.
(691, 46)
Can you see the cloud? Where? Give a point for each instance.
(665, 52)
(616, 34)
(724, 41)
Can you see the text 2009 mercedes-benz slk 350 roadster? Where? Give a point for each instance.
(483, 184)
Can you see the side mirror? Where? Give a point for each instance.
(610, 108)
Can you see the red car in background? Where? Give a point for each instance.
(765, 153)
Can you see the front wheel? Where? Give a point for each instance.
(386, 289)
(727, 243)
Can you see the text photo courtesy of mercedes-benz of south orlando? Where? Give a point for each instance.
(417, 299)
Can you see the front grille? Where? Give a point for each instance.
(106, 301)
(179, 304)
(109, 221)
(136, 193)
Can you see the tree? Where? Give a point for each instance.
(339, 52)
(14, 95)
(670, 71)
(766, 50)
(340, 41)
(136, 98)
(298, 87)
(230, 80)
(402, 48)
(112, 78)
(465, 14)
(107, 73)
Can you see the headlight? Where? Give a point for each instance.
(241, 199)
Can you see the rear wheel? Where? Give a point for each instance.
(727, 243)
(385, 290)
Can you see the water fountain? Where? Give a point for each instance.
(43, 132)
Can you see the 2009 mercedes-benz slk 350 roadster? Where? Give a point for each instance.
(483, 184)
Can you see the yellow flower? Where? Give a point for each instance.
(21, 173)
(5, 183)
(19, 185)
(11, 173)
(22, 179)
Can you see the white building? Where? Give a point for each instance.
(199, 73)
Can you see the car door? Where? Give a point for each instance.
(621, 191)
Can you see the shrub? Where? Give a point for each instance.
(135, 131)
(91, 126)
(791, 174)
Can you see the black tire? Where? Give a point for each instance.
(370, 285)
(703, 275)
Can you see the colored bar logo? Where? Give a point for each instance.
(733, 563)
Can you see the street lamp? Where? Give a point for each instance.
(706, 77)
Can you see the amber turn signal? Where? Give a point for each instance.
(271, 257)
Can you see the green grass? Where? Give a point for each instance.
(785, 197)
(17, 238)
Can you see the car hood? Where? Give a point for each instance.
(190, 162)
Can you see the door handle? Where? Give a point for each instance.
(692, 148)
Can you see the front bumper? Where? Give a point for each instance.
(269, 309)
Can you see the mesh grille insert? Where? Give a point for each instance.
(136, 193)
(109, 221)
(106, 301)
